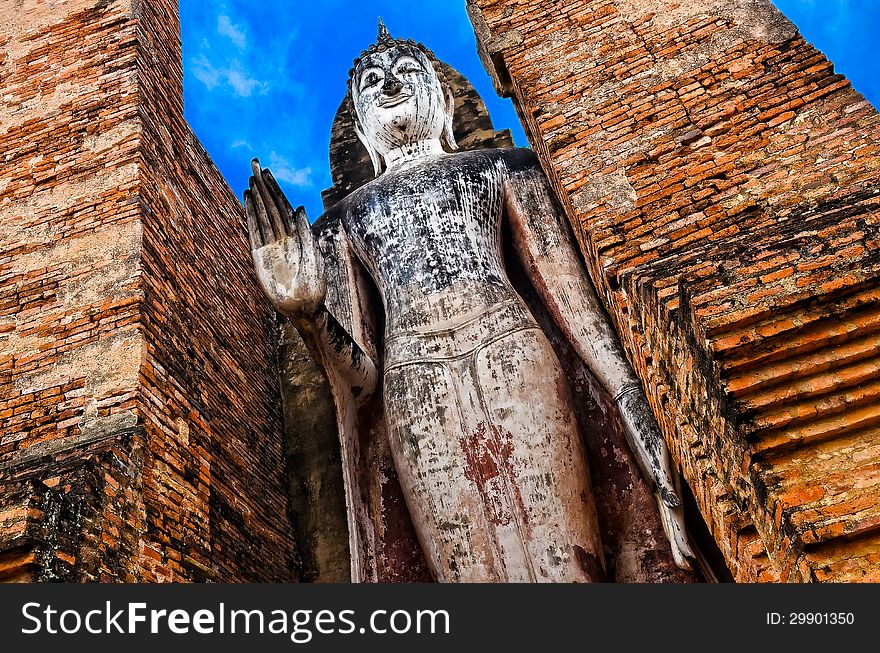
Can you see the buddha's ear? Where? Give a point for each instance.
(448, 135)
(374, 155)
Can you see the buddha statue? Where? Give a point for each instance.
(478, 412)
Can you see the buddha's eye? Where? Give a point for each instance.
(408, 66)
(369, 80)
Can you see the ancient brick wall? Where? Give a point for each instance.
(137, 357)
(69, 220)
(721, 179)
(69, 269)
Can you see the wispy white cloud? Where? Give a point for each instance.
(233, 32)
(243, 85)
(232, 76)
(204, 71)
(285, 172)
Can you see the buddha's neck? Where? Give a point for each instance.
(411, 152)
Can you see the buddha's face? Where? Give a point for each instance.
(398, 99)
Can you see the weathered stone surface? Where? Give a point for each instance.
(635, 546)
(317, 495)
(722, 182)
(137, 381)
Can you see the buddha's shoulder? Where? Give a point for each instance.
(514, 158)
(519, 159)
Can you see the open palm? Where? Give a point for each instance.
(289, 265)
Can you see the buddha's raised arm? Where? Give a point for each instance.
(290, 269)
(542, 239)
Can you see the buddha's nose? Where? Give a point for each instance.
(392, 86)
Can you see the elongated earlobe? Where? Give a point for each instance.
(448, 135)
(374, 155)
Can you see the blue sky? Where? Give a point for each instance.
(265, 78)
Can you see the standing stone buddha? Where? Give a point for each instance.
(479, 414)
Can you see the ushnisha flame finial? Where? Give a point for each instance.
(384, 37)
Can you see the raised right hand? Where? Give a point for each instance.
(289, 266)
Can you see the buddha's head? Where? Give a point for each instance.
(399, 97)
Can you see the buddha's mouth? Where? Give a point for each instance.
(395, 100)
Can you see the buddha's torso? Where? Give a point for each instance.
(430, 236)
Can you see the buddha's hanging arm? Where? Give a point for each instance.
(541, 237)
(290, 269)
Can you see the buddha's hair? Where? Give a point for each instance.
(384, 42)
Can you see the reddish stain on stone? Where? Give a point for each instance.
(482, 454)
(487, 459)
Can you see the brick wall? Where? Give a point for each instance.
(721, 179)
(69, 224)
(137, 358)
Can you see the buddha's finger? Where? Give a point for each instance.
(312, 266)
(272, 209)
(280, 201)
(266, 227)
(301, 222)
(254, 235)
(310, 256)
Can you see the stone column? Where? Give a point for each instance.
(139, 397)
(722, 181)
